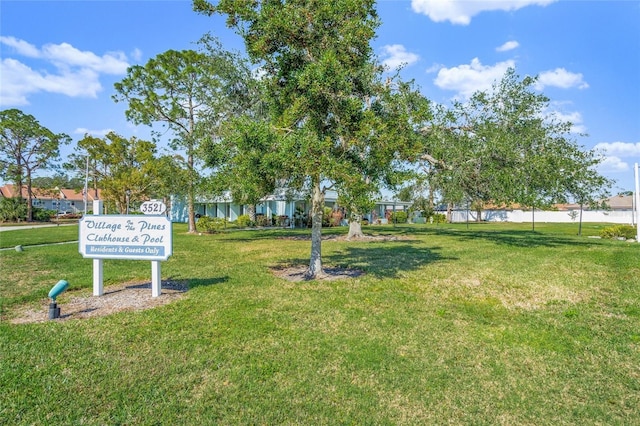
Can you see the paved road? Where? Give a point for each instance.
(18, 227)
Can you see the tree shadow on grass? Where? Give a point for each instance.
(383, 261)
(252, 234)
(514, 238)
(205, 282)
(180, 285)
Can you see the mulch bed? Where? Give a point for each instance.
(118, 298)
(297, 273)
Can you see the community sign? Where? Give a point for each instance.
(133, 237)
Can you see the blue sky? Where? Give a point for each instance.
(60, 59)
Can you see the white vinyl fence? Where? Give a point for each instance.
(524, 216)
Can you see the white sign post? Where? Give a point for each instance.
(132, 237)
(98, 280)
(636, 197)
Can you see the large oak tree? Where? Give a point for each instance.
(505, 146)
(321, 80)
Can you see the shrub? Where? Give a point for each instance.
(282, 220)
(262, 220)
(439, 218)
(619, 231)
(326, 216)
(336, 218)
(300, 218)
(399, 217)
(243, 221)
(42, 215)
(12, 209)
(211, 225)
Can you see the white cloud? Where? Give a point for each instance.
(575, 118)
(434, 68)
(22, 47)
(72, 72)
(467, 79)
(136, 55)
(628, 149)
(561, 78)
(259, 73)
(96, 133)
(510, 45)
(16, 83)
(615, 154)
(613, 164)
(397, 55)
(461, 11)
(65, 55)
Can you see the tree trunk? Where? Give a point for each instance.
(191, 210)
(431, 200)
(251, 211)
(19, 181)
(29, 197)
(317, 207)
(580, 225)
(191, 197)
(449, 212)
(355, 227)
(533, 218)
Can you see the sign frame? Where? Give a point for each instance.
(132, 237)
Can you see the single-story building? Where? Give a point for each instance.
(290, 209)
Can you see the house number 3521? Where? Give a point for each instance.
(153, 207)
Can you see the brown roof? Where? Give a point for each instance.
(76, 194)
(4, 192)
(566, 207)
(617, 202)
(493, 206)
(620, 202)
(9, 190)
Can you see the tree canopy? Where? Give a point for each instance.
(127, 170)
(25, 147)
(322, 91)
(189, 91)
(504, 146)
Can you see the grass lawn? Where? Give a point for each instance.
(485, 324)
(39, 235)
